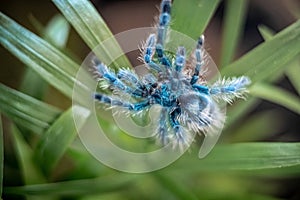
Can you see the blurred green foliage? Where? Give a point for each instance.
(55, 165)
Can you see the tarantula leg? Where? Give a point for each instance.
(229, 89)
(116, 102)
(199, 59)
(149, 51)
(115, 82)
(131, 78)
(162, 127)
(164, 20)
(181, 138)
(180, 59)
(201, 88)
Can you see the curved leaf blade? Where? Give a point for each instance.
(25, 110)
(56, 32)
(196, 12)
(293, 72)
(244, 156)
(31, 174)
(56, 68)
(234, 19)
(55, 141)
(269, 57)
(76, 187)
(276, 95)
(92, 28)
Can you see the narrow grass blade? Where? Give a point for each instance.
(56, 32)
(55, 141)
(269, 57)
(47, 61)
(76, 187)
(293, 72)
(92, 28)
(192, 18)
(235, 12)
(179, 190)
(1, 156)
(266, 32)
(33, 84)
(31, 173)
(244, 156)
(25, 110)
(276, 95)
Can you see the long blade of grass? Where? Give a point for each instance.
(240, 109)
(293, 72)
(25, 110)
(56, 68)
(1, 156)
(178, 190)
(55, 141)
(192, 18)
(31, 173)
(244, 156)
(276, 95)
(76, 187)
(269, 57)
(56, 32)
(266, 32)
(234, 19)
(293, 69)
(92, 28)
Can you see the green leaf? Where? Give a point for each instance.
(30, 172)
(269, 57)
(25, 110)
(92, 28)
(293, 69)
(179, 190)
(55, 141)
(57, 31)
(293, 72)
(192, 18)
(240, 109)
(56, 68)
(234, 19)
(276, 95)
(266, 32)
(33, 85)
(76, 187)
(1, 156)
(243, 156)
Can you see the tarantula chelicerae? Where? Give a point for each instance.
(187, 102)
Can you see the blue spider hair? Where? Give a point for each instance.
(187, 104)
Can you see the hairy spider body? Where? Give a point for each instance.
(186, 103)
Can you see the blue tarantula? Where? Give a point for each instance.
(187, 102)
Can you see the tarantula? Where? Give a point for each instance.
(187, 103)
